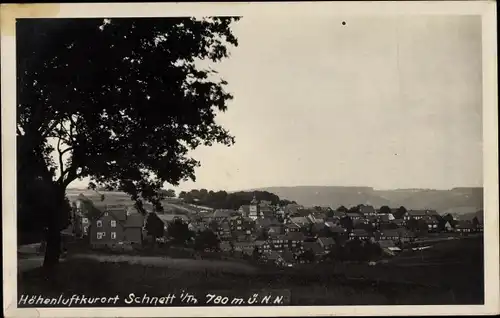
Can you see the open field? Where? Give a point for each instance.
(451, 277)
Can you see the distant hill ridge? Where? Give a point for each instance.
(458, 200)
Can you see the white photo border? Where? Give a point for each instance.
(486, 9)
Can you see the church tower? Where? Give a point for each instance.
(254, 209)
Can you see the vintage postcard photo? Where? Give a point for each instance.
(250, 159)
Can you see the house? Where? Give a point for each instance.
(223, 214)
(278, 242)
(225, 246)
(399, 222)
(389, 235)
(266, 210)
(405, 235)
(448, 227)
(432, 223)
(330, 223)
(354, 216)
(318, 228)
(338, 214)
(385, 218)
(244, 210)
(294, 239)
(224, 231)
(240, 223)
(292, 209)
(197, 227)
(360, 234)
(419, 214)
(301, 221)
(171, 218)
(115, 227)
(280, 213)
(315, 247)
(276, 229)
(273, 257)
(292, 228)
(319, 215)
(389, 247)
(367, 210)
(301, 212)
(372, 220)
(266, 223)
(327, 243)
(312, 218)
(464, 227)
(244, 246)
(263, 246)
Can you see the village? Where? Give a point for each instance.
(268, 234)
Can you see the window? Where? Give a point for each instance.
(99, 235)
(99, 223)
(113, 223)
(113, 235)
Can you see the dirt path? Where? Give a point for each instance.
(186, 264)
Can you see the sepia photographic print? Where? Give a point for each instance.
(249, 159)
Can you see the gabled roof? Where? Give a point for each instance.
(314, 246)
(366, 209)
(245, 208)
(317, 227)
(353, 214)
(300, 220)
(273, 255)
(224, 213)
(295, 236)
(225, 245)
(422, 213)
(326, 240)
(167, 218)
(390, 233)
(360, 232)
(337, 229)
(464, 225)
(339, 214)
(386, 244)
(134, 220)
(276, 229)
(267, 222)
(260, 243)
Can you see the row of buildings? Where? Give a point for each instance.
(275, 233)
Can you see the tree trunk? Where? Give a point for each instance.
(53, 248)
(53, 233)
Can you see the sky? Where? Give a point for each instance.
(383, 102)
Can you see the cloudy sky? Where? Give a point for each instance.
(381, 102)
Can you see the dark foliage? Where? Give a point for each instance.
(120, 101)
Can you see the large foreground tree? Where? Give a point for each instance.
(120, 101)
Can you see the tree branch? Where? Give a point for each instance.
(61, 163)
